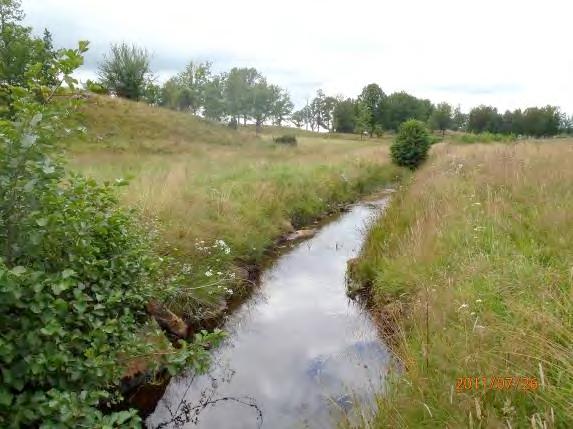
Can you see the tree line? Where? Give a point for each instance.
(243, 95)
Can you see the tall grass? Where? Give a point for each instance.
(245, 192)
(486, 137)
(478, 249)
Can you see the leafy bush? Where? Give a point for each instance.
(286, 139)
(435, 139)
(484, 138)
(75, 274)
(411, 146)
(126, 71)
(95, 87)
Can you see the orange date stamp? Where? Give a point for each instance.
(526, 384)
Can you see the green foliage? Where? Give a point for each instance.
(298, 118)
(484, 118)
(483, 138)
(320, 111)
(214, 107)
(75, 273)
(95, 87)
(533, 121)
(459, 119)
(126, 71)
(23, 56)
(281, 107)
(344, 116)
(371, 100)
(538, 122)
(441, 118)
(241, 94)
(304, 117)
(412, 144)
(362, 118)
(401, 106)
(18, 48)
(187, 90)
(239, 83)
(286, 139)
(152, 94)
(264, 97)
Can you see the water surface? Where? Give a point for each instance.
(299, 352)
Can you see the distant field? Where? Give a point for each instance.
(201, 181)
(474, 262)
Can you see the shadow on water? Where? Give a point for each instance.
(299, 351)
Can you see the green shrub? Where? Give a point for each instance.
(411, 146)
(75, 274)
(435, 139)
(95, 87)
(484, 137)
(286, 139)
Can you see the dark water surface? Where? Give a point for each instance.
(299, 352)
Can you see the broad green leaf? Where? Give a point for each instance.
(18, 271)
(68, 273)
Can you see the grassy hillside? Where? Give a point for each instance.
(119, 124)
(199, 182)
(473, 263)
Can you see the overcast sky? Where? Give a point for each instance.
(507, 53)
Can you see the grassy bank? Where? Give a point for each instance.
(474, 263)
(220, 197)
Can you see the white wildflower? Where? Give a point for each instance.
(223, 246)
(208, 273)
(478, 300)
(463, 306)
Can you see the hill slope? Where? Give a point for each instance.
(200, 182)
(116, 123)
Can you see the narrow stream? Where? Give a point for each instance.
(299, 352)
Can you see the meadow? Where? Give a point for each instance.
(200, 184)
(471, 275)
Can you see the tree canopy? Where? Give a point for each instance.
(126, 70)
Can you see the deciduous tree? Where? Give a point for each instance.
(126, 70)
(372, 99)
(344, 116)
(441, 118)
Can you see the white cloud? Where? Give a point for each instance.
(506, 53)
